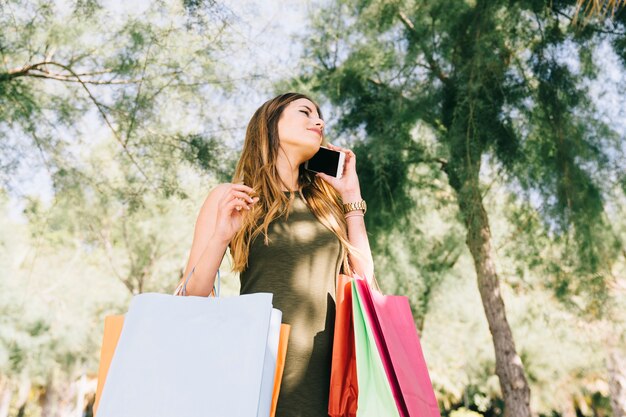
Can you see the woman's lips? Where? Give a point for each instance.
(318, 131)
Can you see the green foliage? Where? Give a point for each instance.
(490, 80)
(47, 309)
(416, 263)
(563, 352)
(110, 101)
(427, 94)
(495, 95)
(142, 72)
(80, 258)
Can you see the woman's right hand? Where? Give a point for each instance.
(234, 203)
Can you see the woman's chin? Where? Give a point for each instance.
(305, 150)
(310, 152)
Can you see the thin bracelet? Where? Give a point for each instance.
(354, 215)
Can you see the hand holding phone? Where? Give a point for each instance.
(327, 161)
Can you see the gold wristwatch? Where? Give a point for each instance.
(357, 205)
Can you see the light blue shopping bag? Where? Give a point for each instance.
(194, 356)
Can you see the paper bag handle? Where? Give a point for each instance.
(182, 287)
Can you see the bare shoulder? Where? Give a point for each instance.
(219, 190)
(215, 195)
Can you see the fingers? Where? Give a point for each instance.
(339, 148)
(242, 187)
(239, 204)
(328, 178)
(239, 191)
(238, 198)
(240, 195)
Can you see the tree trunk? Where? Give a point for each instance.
(509, 367)
(568, 408)
(22, 394)
(67, 399)
(617, 382)
(49, 399)
(6, 392)
(81, 392)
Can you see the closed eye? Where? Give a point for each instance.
(305, 112)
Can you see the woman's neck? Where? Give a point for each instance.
(288, 171)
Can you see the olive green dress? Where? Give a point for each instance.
(299, 266)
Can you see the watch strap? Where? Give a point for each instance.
(356, 205)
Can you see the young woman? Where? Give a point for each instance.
(290, 233)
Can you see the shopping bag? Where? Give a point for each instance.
(375, 397)
(285, 329)
(113, 329)
(344, 390)
(269, 365)
(396, 338)
(190, 356)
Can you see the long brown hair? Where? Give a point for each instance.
(257, 169)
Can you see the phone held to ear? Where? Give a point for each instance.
(327, 161)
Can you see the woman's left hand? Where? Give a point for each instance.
(348, 185)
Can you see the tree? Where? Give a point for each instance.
(490, 81)
(77, 75)
(111, 104)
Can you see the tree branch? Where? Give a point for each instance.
(108, 250)
(98, 106)
(432, 63)
(35, 70)
(441, 161)
(64, 78)
(133, 115)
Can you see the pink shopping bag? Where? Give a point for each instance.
(400, 350)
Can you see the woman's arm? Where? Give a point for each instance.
(348, 188)
(357, 235)
(220, 217)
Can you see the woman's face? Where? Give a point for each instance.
(300, 129)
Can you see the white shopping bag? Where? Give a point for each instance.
(194, 357)
(269, 365)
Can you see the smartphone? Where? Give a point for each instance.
(327, 161)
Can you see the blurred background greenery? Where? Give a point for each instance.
(490, 148)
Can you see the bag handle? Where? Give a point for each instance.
(182, 287)
(374, 280)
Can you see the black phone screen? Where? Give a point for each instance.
(326, 161)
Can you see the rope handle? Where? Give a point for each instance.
(181, 289)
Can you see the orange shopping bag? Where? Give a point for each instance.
(342, 401)
(112, 330)
(280, 364)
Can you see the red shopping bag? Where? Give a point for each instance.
(400, 350)
(342, 401)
